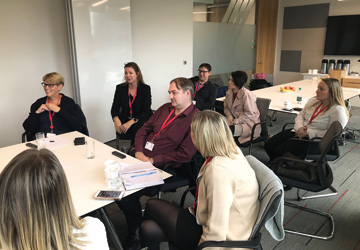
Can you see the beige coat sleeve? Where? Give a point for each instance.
(218, 187)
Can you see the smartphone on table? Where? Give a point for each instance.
(109, 195)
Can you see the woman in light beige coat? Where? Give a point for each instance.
(240, 108)
(227, 202)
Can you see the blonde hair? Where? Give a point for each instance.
(336, 95)
(212, 135)
(53, 78)
(36, 209)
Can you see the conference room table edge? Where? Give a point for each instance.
(85, 176)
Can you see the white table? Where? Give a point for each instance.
(308, 88)
(85, 176)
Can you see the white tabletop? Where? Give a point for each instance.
(85, 176)
(308, 88)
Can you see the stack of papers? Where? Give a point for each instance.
(140, 175)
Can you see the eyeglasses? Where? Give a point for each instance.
(48, 85)
(203, 71)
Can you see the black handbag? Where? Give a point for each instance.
(294, 167)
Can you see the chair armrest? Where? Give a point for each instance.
(287, 124)
(27, 136)
(253, 129)
(183, 197)
(23, 137)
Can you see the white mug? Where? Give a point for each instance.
(314, 71)
(110, 163)
(287, 104)
(310, 71)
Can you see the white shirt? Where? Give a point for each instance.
(319, 126)
(95, 234)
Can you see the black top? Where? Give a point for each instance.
(141, 107)
(206, 96)
(69, 118)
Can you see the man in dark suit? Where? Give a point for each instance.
(205, 92)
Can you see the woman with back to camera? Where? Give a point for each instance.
(227, 204)
(313, 121)
(36, 209)
(55, 113)
(240, 107)
(131, 106)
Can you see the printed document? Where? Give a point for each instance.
(140, 175)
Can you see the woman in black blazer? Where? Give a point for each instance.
(131, 106)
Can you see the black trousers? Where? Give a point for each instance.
(276, 145)
(131, 206)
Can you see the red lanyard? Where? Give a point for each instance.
(131, 102)
(197, 89)
(197, 189)
(166, 122)
(314, 115)
(51, 115)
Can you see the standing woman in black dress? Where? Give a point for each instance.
(131, 106)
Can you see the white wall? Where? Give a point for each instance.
(33, 42)
(103, 46)
(162, 39)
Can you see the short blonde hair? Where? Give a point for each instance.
(212, 135)
(53, 78)
(36, 209)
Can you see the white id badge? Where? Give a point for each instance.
(48, 135)
(149, 146)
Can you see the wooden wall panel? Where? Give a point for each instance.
(266, 22)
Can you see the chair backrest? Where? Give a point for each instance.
(258, 84)
(271, 194)
(263, 107)
(333, 132)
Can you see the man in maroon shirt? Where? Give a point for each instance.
(164, 138)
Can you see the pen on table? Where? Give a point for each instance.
(144, 174)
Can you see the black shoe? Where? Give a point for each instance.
(132, 242)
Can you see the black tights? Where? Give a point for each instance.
(161, 224)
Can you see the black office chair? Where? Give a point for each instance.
(263, 106)
(27, 136)
(314, 176)
(84, 129)
(183, 176)
(271, 195)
